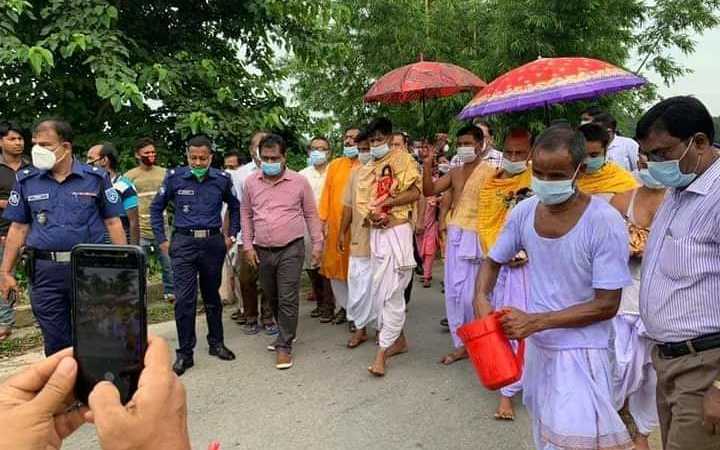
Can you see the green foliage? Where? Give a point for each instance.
(357, 41)
(120, 70)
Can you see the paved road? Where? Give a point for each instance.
(329, 401)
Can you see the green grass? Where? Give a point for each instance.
(15, 346)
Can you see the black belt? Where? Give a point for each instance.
(60, 257)
(275, 249)
(676, 349)
(198, 234)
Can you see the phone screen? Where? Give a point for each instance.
(110, 329)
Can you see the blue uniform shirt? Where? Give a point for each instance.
(198, 204)
(62, 215)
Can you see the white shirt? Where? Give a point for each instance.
(238, 177)
(625, 152)
(316, 180)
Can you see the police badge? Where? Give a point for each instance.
(42, 217)
(112, 195)
(186, 209)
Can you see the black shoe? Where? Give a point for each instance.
(182, 363)
(315, 313)
(444, 323)
(341, 317)
(222, 352)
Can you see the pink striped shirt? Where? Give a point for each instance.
(275, 213)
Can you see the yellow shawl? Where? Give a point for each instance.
(495, 200)
(610, 179)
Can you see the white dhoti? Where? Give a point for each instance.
(635, 379)
(340, 292)
(230, 284)
(360, 305)
(392, 265)
(569, 395)
(512, 289)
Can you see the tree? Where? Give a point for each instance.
(363, 39)
(121, 69)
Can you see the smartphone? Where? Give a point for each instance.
(109, 317)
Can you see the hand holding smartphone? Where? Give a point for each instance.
(109, 317)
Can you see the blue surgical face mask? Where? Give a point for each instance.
(350, 152)
(380, 152)
(271, 169)
(514, 167)
(593, 164)
(365, 157)
(648, 180)
(553, 192)
(318, 157)
(668, 172)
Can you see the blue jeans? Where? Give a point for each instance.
(7, 314)
(152, 246)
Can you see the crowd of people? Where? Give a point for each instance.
(599, 250)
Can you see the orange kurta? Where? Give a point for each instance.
(335, 265)
(610, 179)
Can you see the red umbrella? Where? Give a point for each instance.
(421, 80)
(424, 79)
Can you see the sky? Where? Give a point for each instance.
(704, 82)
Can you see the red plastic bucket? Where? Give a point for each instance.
(496, 364)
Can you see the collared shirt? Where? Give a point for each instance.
(276, 213)
(8, 176)
(316, 179)
(198, 204)
(625, 152)
(62, 215)
(147, 183)
(238, 177)
(681, 268)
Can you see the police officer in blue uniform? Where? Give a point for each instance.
(198, 246)
(55, 205)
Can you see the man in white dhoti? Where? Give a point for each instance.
(390, 185)
(360, 304)
(577, 250)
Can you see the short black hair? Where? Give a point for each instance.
(563, 137)
(472, 130)
(520, 133)
(272, 140)
(231, 153)
(6, 126)
(363, 136)
(382, 125)
(143, 142)
(318, 138)
(200, 140)
(486, 124)
(681, 117)
(592, 111)
(109, 151)
(605, 120)
(350, 128)
(593, 132)
(61, 127)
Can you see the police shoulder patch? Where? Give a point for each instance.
(112, 195)
(25, 173)
(14, 198)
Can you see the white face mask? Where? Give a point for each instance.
(466, 154)
(43, 158)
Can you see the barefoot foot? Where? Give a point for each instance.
(455, 356)
(378, 366)
(505, 409)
